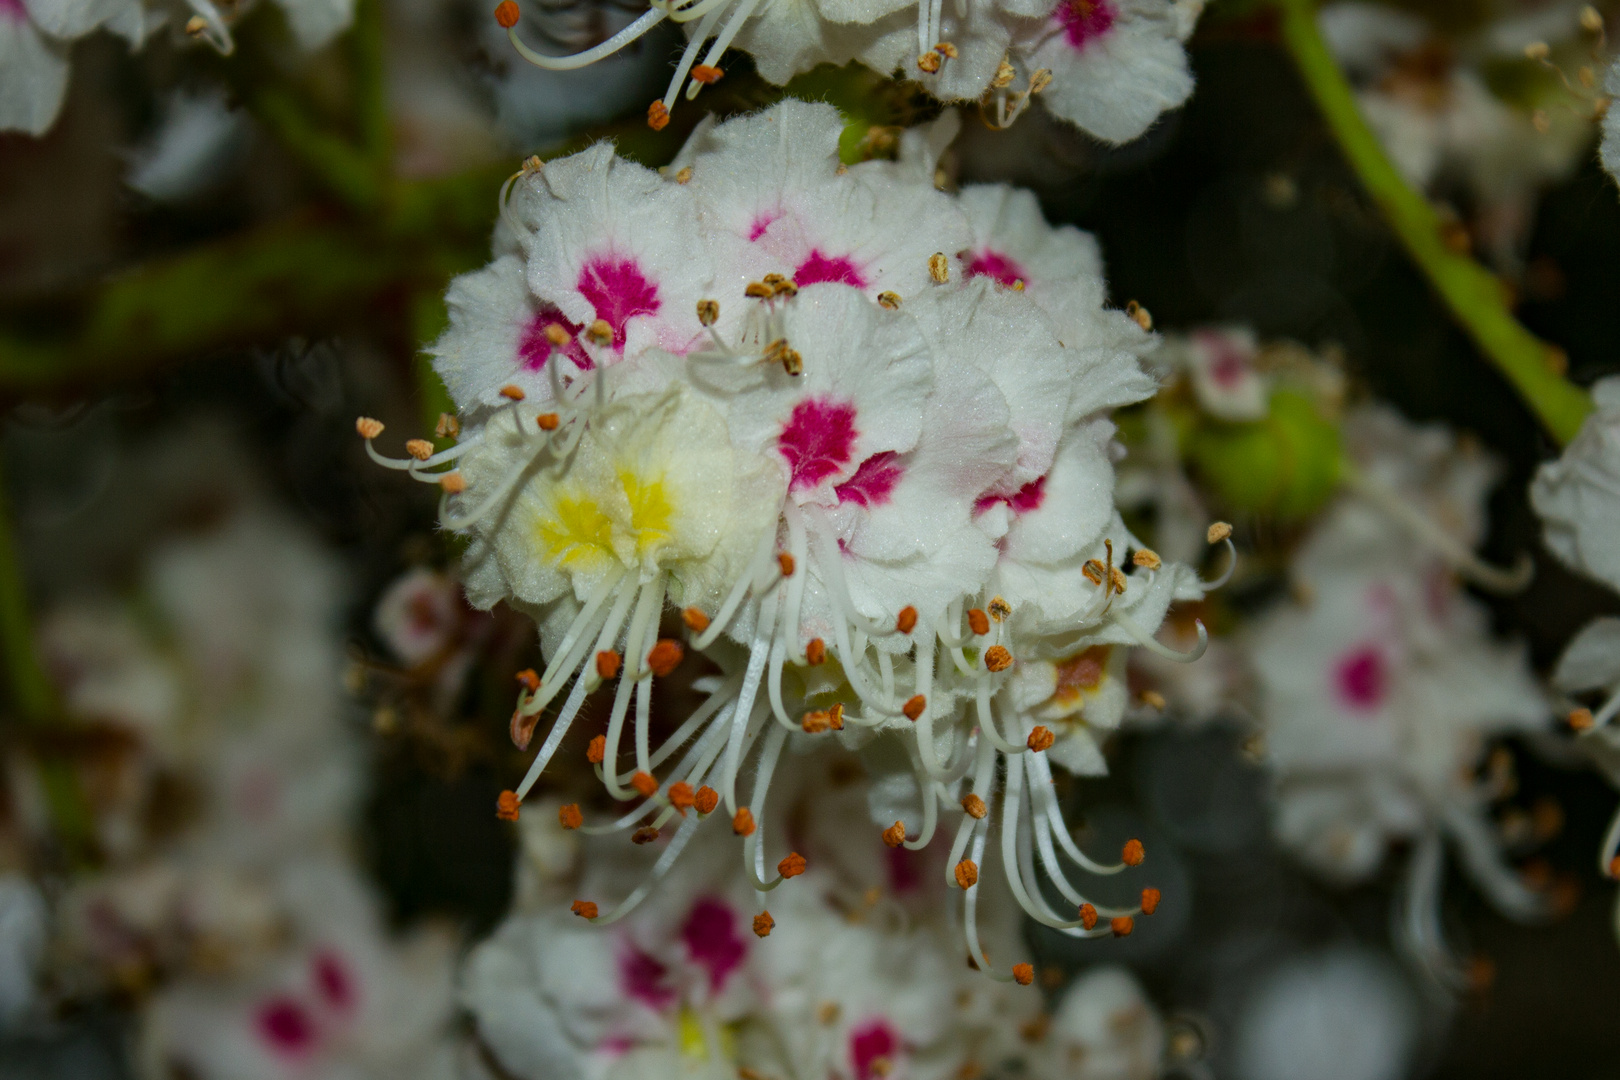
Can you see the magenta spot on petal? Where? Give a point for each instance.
(903, 870)
(1084, 21)
(1228, 363)
(335, 980)
(993, 264)
(817, 440)
(818, 268)
(868, 1044)
(1362, 678)
(642, 977)
(618, 291)
(13, 10)
(873, 481)
(1027, 498)
(286, 1027)
(712, 941)
(617, 1045)
(534, 348)
(761, 223)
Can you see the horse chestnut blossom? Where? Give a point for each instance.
(806, 407)
(1381, 688)
(1110, 67)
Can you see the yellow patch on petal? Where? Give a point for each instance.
(652, 515)
(575, 533)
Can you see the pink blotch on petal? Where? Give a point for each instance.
(335, 980)
(13, 10)
(1228, 363)
(712, 940)
(534, 348)
(874, 481)
(618, 291)
(1361, 678)
(286, 1027)
(995, 265)
(1027, 498)
(642, 977)
(761, 223)
(817, 440)
(1084, 21)
(818, 268)
(870, 1043)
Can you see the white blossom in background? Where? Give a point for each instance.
(24, 935)
(1111, 67)
(197, 139)
(1102, 1028)
(773, 393)
(1380, 687)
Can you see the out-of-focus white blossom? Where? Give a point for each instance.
(197, 138)
(23, 938)
(1103, 1028)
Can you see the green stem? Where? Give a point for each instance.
(1474, 295)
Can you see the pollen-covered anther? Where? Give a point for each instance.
(815, 651)
(1133, 853)
(1219, 531)
(1150, 901)
(1004, 76)
(743, 822)
(1122, 925)
(522, 728)
(1023, 974)
(658, 116)
(596, 752)
(787, 287)
(684, 175)
(978, 622)
(707, 74)
(532, 164)
(974, 806)
(569, 817)
(600, 332)
(947, 50)
(1039, 80)
(708, 312)
(557, 335)
(997, 658)
(785, 561)
(792, 865)
(644, 784)
(757, 290)
(583, 908)
(835, 715)
(681, 796)
(966, 874)
(528, 680)
(914, 706)
(1153, 699)
(816, 721)
(696, 619)
(1580, 720)
(453, 483)
(1117, 577)
(1537, 50)
(665, 656)
(939, 267)
(507, 14)
(1093, 571)
(763, 924)
(506, 806)
(928, 62)
(999, 609)
(548, 421)
(368, 428)
(706, 800)
(607, 663)
(895, 834)
(1147, 560)
(644, 835)
(1139, 315)
(448, 426)
(906, 621)
(1088, 916)
(1040, 739)
(792, 362)
(889, 301)
(512, 392)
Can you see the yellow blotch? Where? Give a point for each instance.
(651, 512)
(576, 533)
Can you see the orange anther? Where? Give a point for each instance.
(1041, 738)
(665, 656)
(1147, 560)
(596, 752)
(928, 63)
(530, 681)
(1581, 720)
(695, 620)
(836, 716)
(368, 428)
(584, 909)
(644, 835)
(506, 807)
(658, 116)
(1133, 853)
(1088, 916)
(548, 421)
(978, 621)
(997, 658)
(569, 817)
(420, 449)
(1218, 532)
(895, 834)
(743, 823)
(512, 392)
(1023, 974)
(644, 784)
(522, 729)
(1150, 901)
(607, 663)
(763, 924)
(681, 796)
(785, 561)
(906, 621)
(792, 865)
(706, 799)
(974, 806)
(706, 74)
(967, 874)
(453, 483)
(816, 721)
(914, 706)
(815, 651)
(557, 335)
(1122, 926)
(507, 14)
(1614, 867)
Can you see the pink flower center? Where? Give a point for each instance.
(993, 264)
(873, 481)
(1027, 498)
(1084, 21)
(1362, 679)
(761, 223)
(619, 291)
(534, 348)
(1228, 364)
(872, 1048)
(13, 10)
(335, 980)
(286, 1027)
(712, 941)
(817, 440)
(818, 268)
(642, 978)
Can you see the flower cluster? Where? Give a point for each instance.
(855, 431)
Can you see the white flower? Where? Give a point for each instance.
(197, 139)
(1220, 361)
(777, 395)
(1578, 496)
(1103, 1028)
